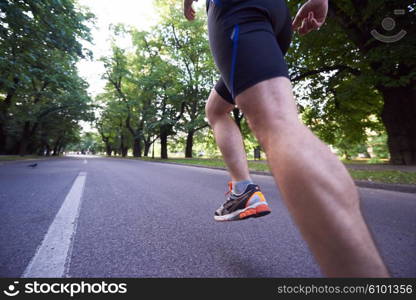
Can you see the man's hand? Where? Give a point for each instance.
(188, 10)
(310, 16)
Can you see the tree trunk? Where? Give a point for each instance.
(108, 149)
(137, 147)
(41, 150)
(399, 118)
(55, 150)
(164, 130)
(148, 143)
(147, 146)
(48, 150)
(189, 144)
(123, 149)
(3, 139)
(4, 106)
(24, 139)
(57, 146)
(107, 143)
(60, 149)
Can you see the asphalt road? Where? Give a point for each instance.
(144, 219)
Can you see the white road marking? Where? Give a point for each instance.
(53, 255)
(85, 161)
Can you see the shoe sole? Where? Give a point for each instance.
(256, 210)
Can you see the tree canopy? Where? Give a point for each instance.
(163, 84)
(354, 80)
(352, 83)
(42, 97)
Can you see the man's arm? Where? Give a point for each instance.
(310, 16)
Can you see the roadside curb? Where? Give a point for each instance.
(4, 162)
(403, 188)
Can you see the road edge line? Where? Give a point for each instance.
(51, 257)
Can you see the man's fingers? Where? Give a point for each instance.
(297, 22)
(306, 30)
(190, 14)
(188, 10)
(300, 19)
(308, 24)
(302, 28)
(315, 23)
(308, 18)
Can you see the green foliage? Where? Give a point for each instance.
(162, 85)
(87, 142)
(41, 95)
(378, 144)
(340, 71)
(387, 176)
(205, 142)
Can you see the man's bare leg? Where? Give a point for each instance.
(316, 187)
(227, 136)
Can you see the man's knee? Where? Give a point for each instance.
(209, 112)
(270, 127)
(269, 106)
(216, 108)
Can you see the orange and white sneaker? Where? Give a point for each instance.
(249, 204)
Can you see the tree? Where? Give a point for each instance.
(187, 46)
(111, 124)
(117, 74)
(87, 141)
(41, 42)
(352, 76)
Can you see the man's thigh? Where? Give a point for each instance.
(269, 100)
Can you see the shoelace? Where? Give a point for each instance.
(230, 188)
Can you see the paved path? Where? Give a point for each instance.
(144, 219)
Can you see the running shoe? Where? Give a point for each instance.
(249, 204)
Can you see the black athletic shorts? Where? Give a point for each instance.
(248, 39)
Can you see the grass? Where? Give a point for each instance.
(386, 176)
(254, 166)
(18, 157)
(381, 176)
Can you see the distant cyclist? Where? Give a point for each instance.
(248, 39)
